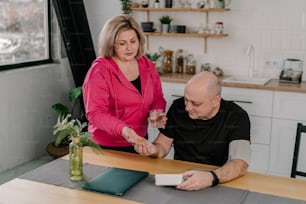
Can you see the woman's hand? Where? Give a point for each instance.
(131, 136)
(157, 118)
(146, 149)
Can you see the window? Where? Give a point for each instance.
(24, 33)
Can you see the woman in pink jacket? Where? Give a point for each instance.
(121, 87)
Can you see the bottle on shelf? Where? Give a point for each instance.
(219, 27)
(191, 64)
(179, 61)
(167, 61)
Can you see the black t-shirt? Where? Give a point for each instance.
(206, 141)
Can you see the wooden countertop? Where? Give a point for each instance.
(273, 84)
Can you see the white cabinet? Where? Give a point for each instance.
(289, 106)
(282, 145)
(255, 102)
(171, 92)
(259, 158)
(288, 110)
(258, 104)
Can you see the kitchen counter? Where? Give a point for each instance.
(273, 84)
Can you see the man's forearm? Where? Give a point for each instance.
(160, 150)
(231, 170)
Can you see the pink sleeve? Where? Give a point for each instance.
(96, 96)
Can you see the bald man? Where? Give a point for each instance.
(204, 128)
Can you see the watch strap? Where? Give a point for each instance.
(215, 180)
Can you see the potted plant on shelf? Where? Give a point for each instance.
(165, 23)
(221, 3)
(126, 6)
(156, 4)
(60, 146)
(77, 131)
(154, 57)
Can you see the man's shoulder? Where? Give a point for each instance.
(179, 100)
(231, 106)
(179, 103)
(232, 109)
(177, 106)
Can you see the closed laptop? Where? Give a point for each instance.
(115, 181)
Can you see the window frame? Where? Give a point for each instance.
(36, 62)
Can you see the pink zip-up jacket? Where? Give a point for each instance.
(112, 102)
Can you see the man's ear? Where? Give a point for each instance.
(217, 100)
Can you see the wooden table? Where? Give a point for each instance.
(30, 192)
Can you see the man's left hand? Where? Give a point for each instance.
(195, 180)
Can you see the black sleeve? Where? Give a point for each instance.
(241, 128)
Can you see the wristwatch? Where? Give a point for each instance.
(215, 180)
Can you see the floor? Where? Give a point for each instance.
(21, 169)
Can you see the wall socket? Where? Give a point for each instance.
(274, 63)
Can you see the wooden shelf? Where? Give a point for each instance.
(200, 35)
(183, 9)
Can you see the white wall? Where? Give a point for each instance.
(276, 29)
(27, 95)
(25, 110)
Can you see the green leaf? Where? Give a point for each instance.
(86, 141)
(75, 93)
(60, 109)
(126, 6)
(153, 57)
(165, 19)
(66, 126)
(61, 136)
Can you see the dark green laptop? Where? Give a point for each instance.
(115, 181)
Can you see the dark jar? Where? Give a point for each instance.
(179, 62)
(168, 3)
(191, 65)
(167, 61)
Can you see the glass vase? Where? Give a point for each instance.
(76, 160)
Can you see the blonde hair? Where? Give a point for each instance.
(112, 28)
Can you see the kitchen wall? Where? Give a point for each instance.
(26, 117)
(25, 110)
(275, 28)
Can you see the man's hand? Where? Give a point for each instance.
(195, 180)
(146, 149)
